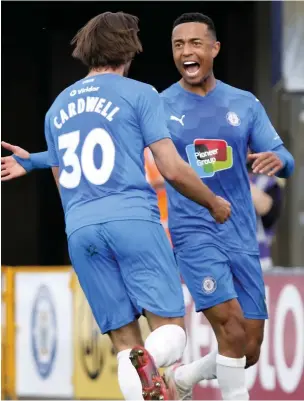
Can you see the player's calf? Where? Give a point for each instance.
(254, 339)
(229, 326)
(126, 337)
(123, 340)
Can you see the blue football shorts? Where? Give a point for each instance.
(125, 267)
(214, 276)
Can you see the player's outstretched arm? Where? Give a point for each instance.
(185, 180)
(10, 167)
(21, 162)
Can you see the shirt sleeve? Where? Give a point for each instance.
(52, 152)
(263, 136)
(152, 116)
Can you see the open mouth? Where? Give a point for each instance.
(191, 67)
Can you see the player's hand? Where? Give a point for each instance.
(10, 168)
(267, 163)
(221, 210)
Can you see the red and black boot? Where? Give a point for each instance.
(153, 385)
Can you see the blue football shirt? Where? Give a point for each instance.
(96, 131)
(212, 134)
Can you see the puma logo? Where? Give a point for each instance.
(180, 120)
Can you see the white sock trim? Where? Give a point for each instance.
(124, 353)
(231, 362)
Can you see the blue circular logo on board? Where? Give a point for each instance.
(44, 332)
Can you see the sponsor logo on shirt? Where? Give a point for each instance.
(88, 89)
(208, 156)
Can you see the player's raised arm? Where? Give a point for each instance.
(10, 167)
(39, 160)
(269, 153)
(172, 167)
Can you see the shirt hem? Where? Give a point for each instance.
(70, 232)
(178, 248)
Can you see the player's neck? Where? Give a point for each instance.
(107, 70)
(205, 87)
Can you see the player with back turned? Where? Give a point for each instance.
(96, 132)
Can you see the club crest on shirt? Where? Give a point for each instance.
(233, 119)
(207, 156)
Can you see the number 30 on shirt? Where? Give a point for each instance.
(85, 165)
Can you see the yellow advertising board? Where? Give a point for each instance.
(95, 364)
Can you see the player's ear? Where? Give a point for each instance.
(215, 49)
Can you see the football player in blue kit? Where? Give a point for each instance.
(212, 125)
(96, 131)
